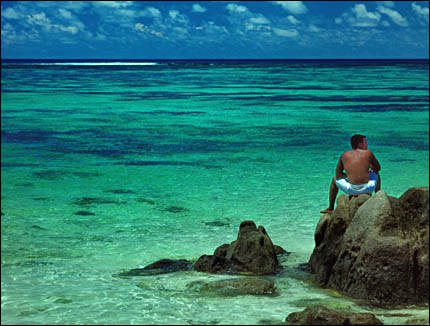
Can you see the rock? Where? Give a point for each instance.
(216, 223)
(176, 209)
(376, 248)
(145, 200)
(89, 201)
(120, 191)
(237, 286)
(162, 266)
(252, 251)
(215, 264)
(320, 315)
(280, 251)
(84, 213)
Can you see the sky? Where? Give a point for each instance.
(214, 29)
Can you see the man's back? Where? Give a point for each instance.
(357, 163)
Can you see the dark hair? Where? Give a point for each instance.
(356, 139)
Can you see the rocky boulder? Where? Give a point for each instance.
(320, 315)
(252, 251)
(376, 248)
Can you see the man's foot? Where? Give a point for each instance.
(327, 211)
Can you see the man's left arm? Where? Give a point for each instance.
(374, 164)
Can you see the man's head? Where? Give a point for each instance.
(358, 141)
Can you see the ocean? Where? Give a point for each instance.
(111, 165)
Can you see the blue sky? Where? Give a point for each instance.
(214, 29)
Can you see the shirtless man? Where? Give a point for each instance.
(362, 172)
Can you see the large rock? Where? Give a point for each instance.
(252, 252)
(376, 248)
(320, 315)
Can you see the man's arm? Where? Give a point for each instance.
(339, 169)
(374, 164)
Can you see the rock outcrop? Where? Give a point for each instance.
(376, 248)
(252, 251)
(320, 315)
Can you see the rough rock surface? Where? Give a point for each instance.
(320, 315)
(162, 266)
(376, 248)
(237, 286)
(252, 251)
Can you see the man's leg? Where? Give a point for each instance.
(332, 197)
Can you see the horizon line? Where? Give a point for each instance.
(255, 59)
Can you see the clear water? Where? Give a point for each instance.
(157, 151)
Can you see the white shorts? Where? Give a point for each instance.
(351, 189)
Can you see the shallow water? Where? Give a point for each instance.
(111, 167)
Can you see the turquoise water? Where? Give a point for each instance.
(110, 166)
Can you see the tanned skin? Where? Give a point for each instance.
(357, 163)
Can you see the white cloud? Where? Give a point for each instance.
(197, 8)
(180, 32)
(8, 27)
(151, 12)
(173, 13)
(232, 7)
(69, 29)
(39, 19)
(126, 12)
(212, 30)
(43, 21)
(177, 17)
(146, 30)
(295, 7)
(75, 5)
(140, 27)
(285, 32)
(422, 11)
(362, 13)
(389, 4)
(10, 13)
(394, 15)
(259, 20)
(65, 13)
(313, 28)
(292, 20)
(114, 4)
(358, 16)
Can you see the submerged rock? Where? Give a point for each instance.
(320, 315)
(89, 201)
(145, 200)
(176, 209)
(162, 266)
(84, 213)
(217, 223)
(252, 251)
(237, 286)
(376, 248)
(120, 191)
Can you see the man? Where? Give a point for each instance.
(362, 172)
